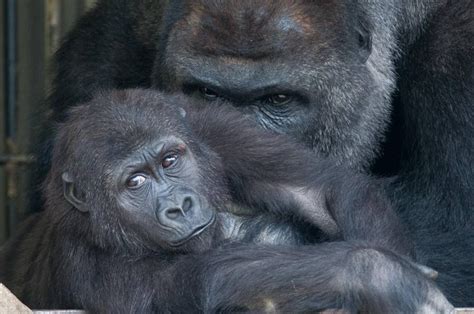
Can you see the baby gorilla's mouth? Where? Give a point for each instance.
(195, 232)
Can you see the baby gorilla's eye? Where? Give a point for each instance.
(208, 94)
(278, 99)
(169, 160)
(136, 181)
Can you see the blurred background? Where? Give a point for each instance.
(30, 33)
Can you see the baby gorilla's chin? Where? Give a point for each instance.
(202, 242)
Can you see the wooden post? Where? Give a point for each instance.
(3, 206)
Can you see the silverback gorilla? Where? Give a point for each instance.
(136, 220)
(384, 86)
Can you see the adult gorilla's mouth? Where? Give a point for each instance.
(195, 232)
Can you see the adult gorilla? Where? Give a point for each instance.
(324, 72)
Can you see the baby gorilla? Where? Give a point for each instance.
(136, 220)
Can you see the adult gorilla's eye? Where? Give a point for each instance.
(136, 181)
(208, 94)
(169, 160)
(278, 99)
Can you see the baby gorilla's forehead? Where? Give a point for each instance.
(135, 125)
(116, 125)
(141, 146)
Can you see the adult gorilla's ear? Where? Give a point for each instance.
(364, 38)
(70, 193)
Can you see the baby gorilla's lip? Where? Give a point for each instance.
(195, 233)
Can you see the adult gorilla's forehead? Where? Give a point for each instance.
(257, 29)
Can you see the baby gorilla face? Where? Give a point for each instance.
(158, 186)
(140, 174)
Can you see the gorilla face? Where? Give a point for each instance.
(157, 188)
(156, 185)
(298, 67)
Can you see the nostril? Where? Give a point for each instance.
(173, 213)
(187, 204)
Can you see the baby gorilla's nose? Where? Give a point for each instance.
(179, 211)
(187, 204)
(184, 216)
(173, 213)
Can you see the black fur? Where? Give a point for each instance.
(357, 70)
(103, 247)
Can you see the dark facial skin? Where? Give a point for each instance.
(158, 184)
(155, 186)
(265, 73)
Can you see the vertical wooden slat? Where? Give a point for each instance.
(52, 37)
(3, 207)
(31, 88)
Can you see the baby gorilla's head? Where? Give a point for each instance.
(130, 162)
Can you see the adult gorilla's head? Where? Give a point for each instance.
(300, 67)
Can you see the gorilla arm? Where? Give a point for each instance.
(309, 278)
(268, 171)
(258, 278)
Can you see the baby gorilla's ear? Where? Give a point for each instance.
(70, 193)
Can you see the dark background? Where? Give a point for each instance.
(30, 32)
